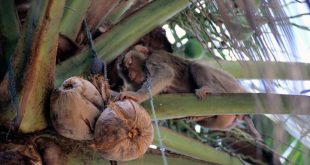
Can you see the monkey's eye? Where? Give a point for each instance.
(124, 69)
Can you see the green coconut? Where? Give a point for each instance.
(194, 49)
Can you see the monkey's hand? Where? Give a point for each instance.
(138, 97)
(201, 92)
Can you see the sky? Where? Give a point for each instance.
(302, 36)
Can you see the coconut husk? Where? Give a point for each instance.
(17, 154)
(102, 86)
(123, 131)
(75, 106)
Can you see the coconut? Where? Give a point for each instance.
(123, 131)
(75, 106)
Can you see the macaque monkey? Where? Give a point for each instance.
(172, 74)
(168, 73)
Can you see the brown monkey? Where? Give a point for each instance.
(172, 74)
(168, 73)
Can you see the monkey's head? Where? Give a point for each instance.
(133, 64)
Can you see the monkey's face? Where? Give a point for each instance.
(133, 67)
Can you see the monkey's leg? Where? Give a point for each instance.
(204, 79)
(218, 122)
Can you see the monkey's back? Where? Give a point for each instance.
(190, 75)
(217, 80)
(182, 82)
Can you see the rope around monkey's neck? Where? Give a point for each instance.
(161, 146)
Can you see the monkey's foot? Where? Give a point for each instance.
(201, 92)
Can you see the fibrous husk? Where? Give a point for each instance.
(75, 106)
(123, 131)
(17, 154)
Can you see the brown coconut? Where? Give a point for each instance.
(75, 106)
(123, 131)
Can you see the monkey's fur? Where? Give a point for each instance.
(172, 74)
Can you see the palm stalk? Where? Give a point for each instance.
(116, 15)
(121, 36)
(258, 69)
(92, 158)
(72, 18)
(171, 106)
(42, 24)
(155, 159)
(197, 152)
(193, 148)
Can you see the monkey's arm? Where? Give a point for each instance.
(160, 76)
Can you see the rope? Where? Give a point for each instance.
(90, 39)
(98, 66)
(161, 146)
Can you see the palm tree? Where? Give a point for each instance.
(35, 59)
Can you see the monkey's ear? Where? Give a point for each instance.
(142, 49)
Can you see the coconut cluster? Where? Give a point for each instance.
(123, 131)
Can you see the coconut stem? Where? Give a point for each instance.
(68, 86)
(133, 133)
